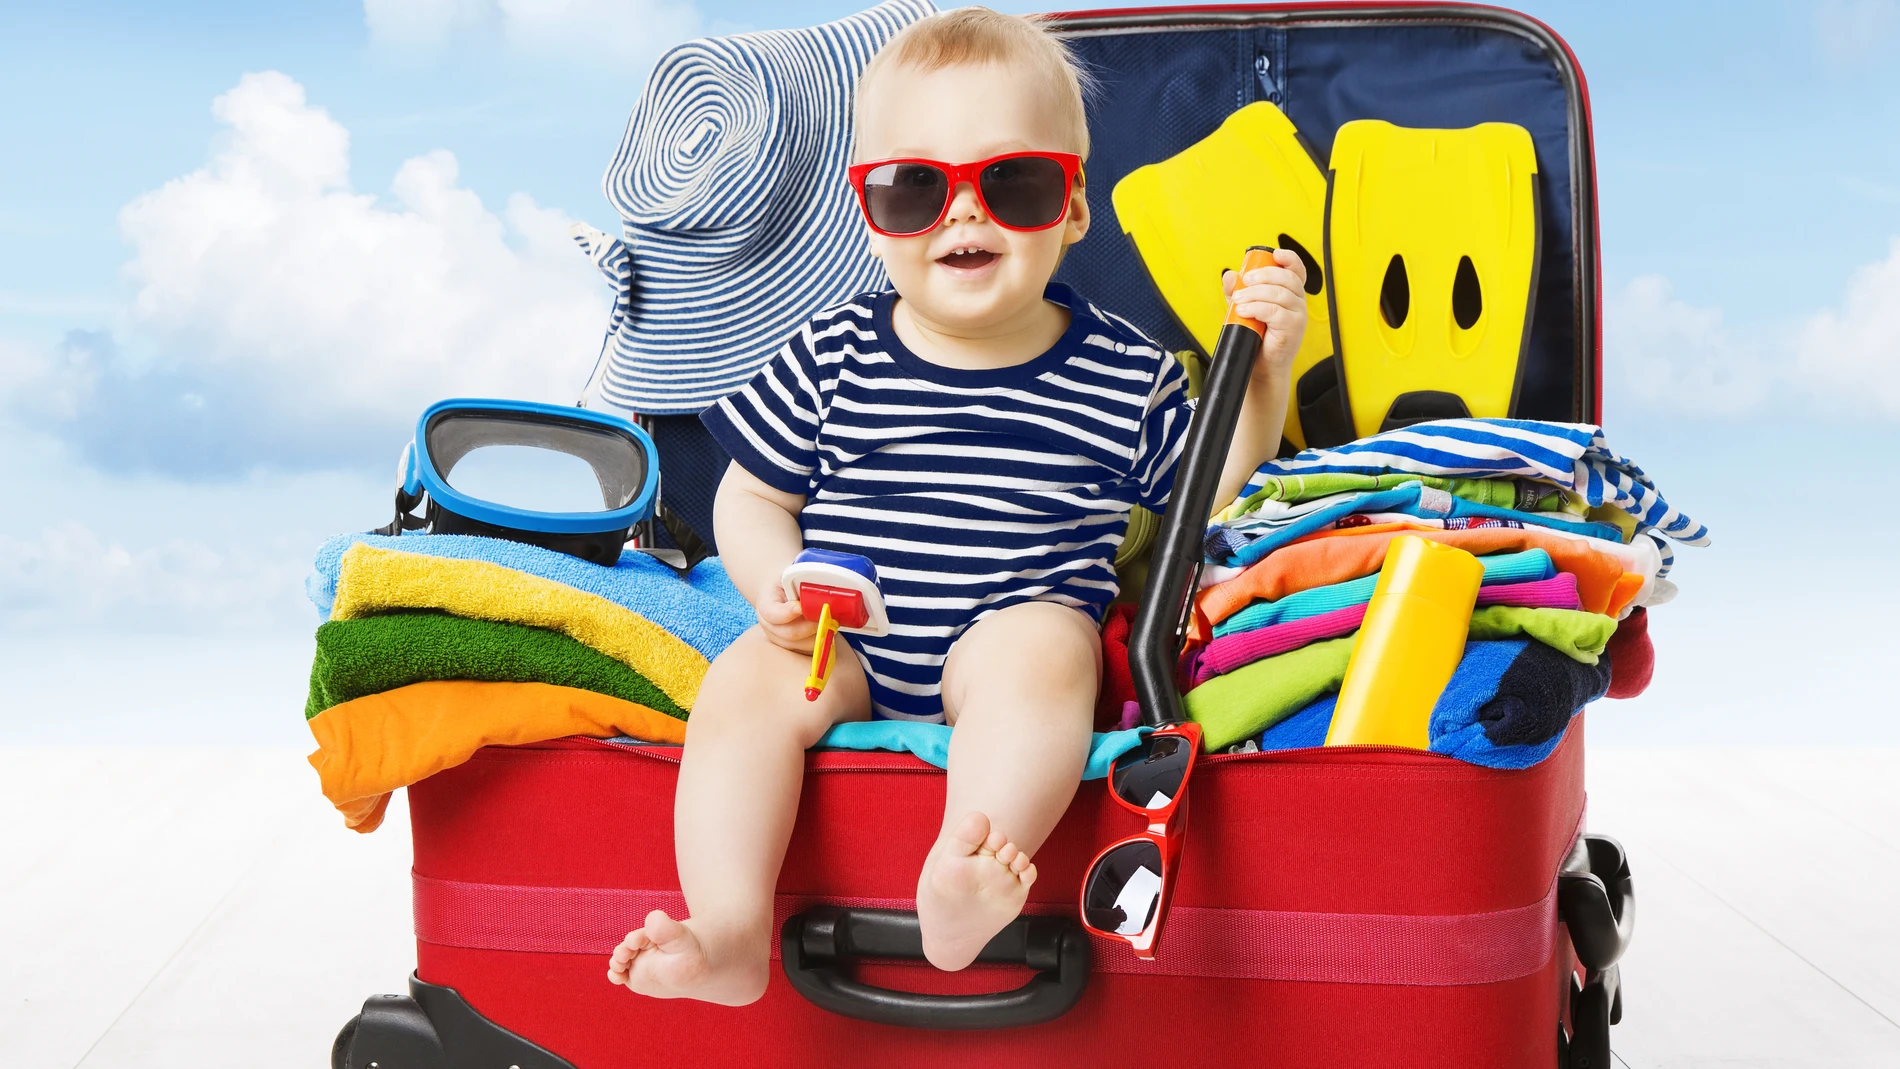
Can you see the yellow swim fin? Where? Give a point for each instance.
(1253, 181)
(1432, 238)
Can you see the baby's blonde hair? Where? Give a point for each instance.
(975, 36)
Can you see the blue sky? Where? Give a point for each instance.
(217, 319)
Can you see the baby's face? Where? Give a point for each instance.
(968, 274)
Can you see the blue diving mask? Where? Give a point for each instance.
(559, 477)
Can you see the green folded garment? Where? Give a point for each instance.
(379, 653)
(1253, 698)
(1580, 636)
(1521, 494)
(1292, 489)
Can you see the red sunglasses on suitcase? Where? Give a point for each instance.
(1125, 894)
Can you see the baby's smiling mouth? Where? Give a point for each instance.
(967, 258)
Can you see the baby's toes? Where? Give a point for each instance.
(1006, 877)
(996, 843)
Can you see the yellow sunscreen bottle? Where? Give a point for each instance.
(1408, 647)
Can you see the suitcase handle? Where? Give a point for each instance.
(1154, 643)
(1597, 900)
(814, 944)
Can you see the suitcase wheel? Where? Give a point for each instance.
(391, 1031)
(1593, 1008)
(1597, 900)
(432, 1028)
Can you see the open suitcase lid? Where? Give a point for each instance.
(1167, 78)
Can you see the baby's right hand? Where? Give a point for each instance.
(782, 620)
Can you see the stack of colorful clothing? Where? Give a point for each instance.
(434, 646)
(1574, 543)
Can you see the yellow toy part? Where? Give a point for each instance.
(1432, 238)
(1250, 182)
(1409, 645)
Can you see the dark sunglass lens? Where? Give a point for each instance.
(905, 198)
(1150, 775)
(1123, 889)
(1025, 191)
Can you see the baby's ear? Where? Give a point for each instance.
(1077, 226)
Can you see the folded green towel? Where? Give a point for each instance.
(1293, 489)
(1579, 636)
(1250, 699)
(379, 653)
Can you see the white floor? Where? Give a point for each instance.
(205, 908)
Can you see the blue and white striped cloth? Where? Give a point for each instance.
(971, 491)
(738, 221)
(1574, 456)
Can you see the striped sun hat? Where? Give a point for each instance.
(738, 221)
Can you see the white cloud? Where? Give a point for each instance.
(282, 318)
(1855, 30)
(620, 29)
(69, 577)
(1662, 352)
(1855, 349)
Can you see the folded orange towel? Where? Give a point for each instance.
(373, 745)
(1350, 554)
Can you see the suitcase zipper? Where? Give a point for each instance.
(670, 754)
(1303, 754)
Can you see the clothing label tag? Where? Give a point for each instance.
(1137, 900)
(1432, 499)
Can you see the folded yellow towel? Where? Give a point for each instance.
(376, 580)
(380, 742)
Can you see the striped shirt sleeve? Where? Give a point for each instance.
(1163, 433)
(769, 426)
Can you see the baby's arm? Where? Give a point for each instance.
(1276, 297)
(757, 529)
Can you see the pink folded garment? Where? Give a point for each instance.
(1229, 652)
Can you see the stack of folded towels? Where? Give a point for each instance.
(434, 646)
(1573, 539)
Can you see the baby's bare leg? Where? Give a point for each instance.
(740, 776)
(1020, 689)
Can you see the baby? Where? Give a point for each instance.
(981, 434)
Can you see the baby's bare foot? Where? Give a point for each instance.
(974, 883)
(674, 959)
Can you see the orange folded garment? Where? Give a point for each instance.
(1622, 592)
(368, 747)
(1338, 557)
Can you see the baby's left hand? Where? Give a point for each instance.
(1274, 296)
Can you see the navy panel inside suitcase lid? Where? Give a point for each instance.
(1167, 78)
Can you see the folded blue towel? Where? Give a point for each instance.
(1510, 702)
(703, 609)
(1303, 729)
(932, 742)
(1507, 706)
(1237, 548)
(1526, 566)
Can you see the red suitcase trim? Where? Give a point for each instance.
(1242, 944)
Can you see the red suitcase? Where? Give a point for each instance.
(1339, 908)
(1336, 908)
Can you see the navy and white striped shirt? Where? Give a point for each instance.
(971, 490)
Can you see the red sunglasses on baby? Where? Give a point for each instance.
(1126, 892)
(1027, 191)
